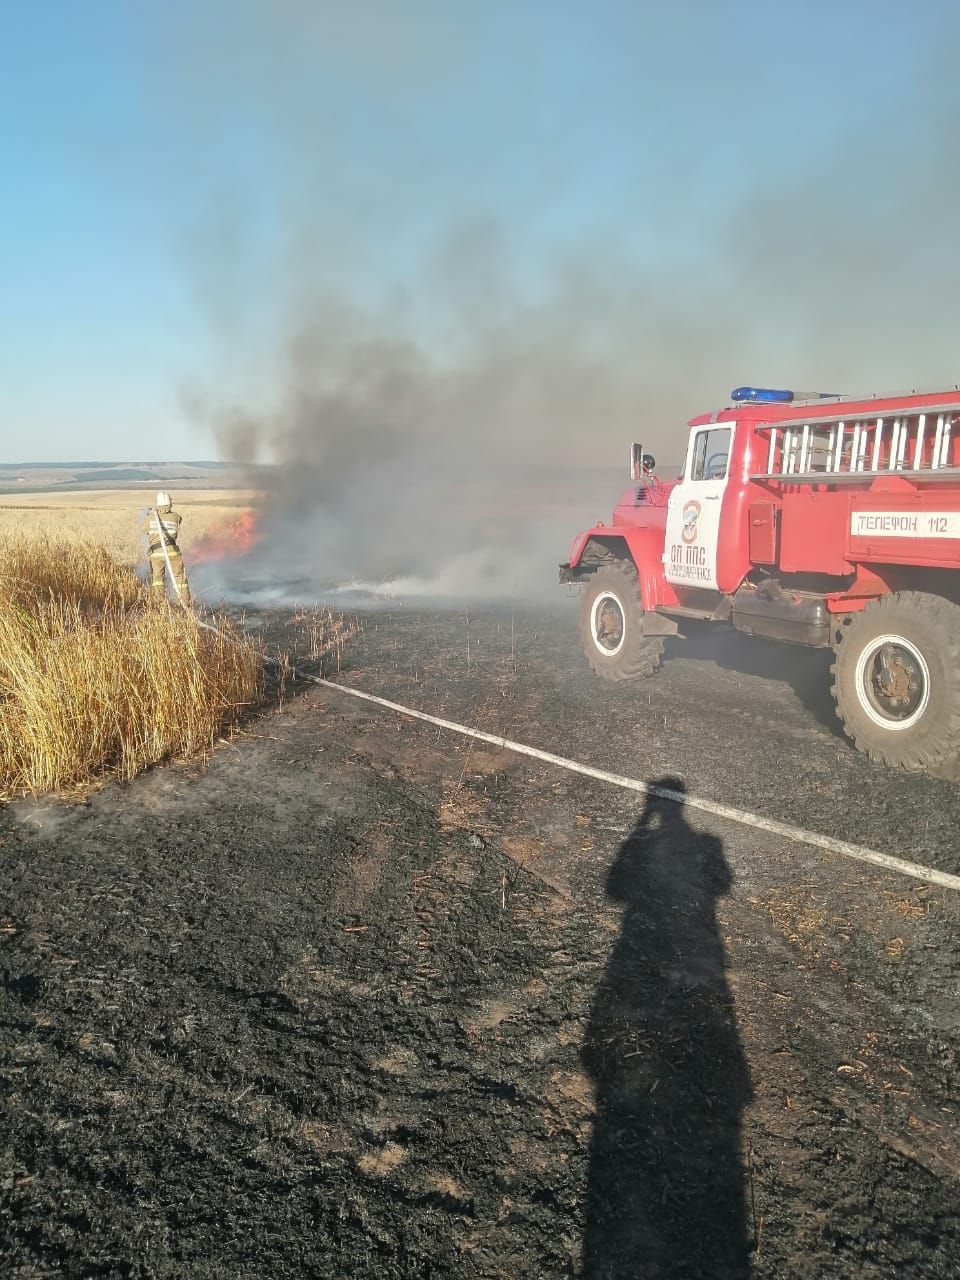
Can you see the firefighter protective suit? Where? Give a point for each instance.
(162, 527)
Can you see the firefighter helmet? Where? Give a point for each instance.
(164, 501)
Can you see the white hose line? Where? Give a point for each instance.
(799, 835)
(784, 829)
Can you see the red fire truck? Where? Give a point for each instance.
(811, 518)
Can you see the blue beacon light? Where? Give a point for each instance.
(761, 395)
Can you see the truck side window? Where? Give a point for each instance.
(710, 452)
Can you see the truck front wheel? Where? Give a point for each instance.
(897, 680)
(611, 626)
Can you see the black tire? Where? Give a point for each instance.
(897, 681)
(611, 619)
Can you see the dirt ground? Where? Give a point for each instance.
(367, 999)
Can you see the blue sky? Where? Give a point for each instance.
(172, 174)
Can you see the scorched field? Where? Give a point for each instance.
(366, 998)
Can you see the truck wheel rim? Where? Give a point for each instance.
(893, 682)
(608, 624)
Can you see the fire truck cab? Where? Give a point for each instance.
(814, 519)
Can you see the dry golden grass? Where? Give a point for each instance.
(113, 517)
(97, 678)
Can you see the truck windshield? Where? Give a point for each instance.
(710, 451)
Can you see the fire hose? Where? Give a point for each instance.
(759, 822)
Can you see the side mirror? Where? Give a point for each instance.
(641, 464)
(636, 462)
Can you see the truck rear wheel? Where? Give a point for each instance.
(897, 680)
(611, 626)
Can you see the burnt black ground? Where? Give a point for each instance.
(363, 999)
(745, 721)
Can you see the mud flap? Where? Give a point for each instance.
(657, 624)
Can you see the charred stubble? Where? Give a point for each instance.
(363, 1001)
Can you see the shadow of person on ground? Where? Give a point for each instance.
(665, 1196)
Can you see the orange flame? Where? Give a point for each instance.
(226, 538)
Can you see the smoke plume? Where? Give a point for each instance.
(451, 430)
(466, 460)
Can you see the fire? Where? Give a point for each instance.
(226, 538)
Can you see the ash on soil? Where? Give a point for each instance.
(362, 999)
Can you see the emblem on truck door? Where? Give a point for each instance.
(691, 517)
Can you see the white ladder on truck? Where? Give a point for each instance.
(843, 449)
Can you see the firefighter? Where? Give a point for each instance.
(162, 527)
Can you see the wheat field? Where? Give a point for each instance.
(113, 517)
(100, 679)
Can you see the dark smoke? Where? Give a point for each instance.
(469, 463)
(454, 432)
